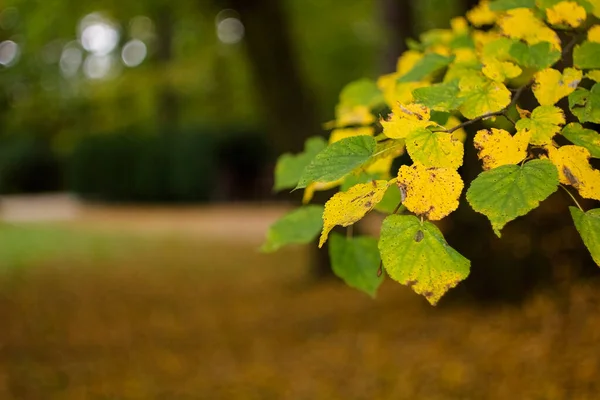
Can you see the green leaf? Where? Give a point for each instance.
(439, 97)
(435, 149)
(539, 56)
(586, 55)
(505, 5)
(296, 227)
(356, 261)
(585, 104)
(289, 167)
(390, 201)
(510, 191)
(338, 159)
(482, 96)
(429, 64)
(363, 92)
(417, 255)
(588, 226)
(583, 137)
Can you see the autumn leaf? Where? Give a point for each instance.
(481, 14)
(593, 34)
(406, 119)
(482, 96)
(498, 147)
(346, 208)
(543, 123)
(416, 254)
(550, 85)
(431, 192)
(566, 13)
(343, 133)
(574, 169)
(351, 115)
(500, 71)
(435, 149)
(510, 191)
(521, 23)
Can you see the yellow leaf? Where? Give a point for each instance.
(394, 92)
(481, 14)
(550, 85)
(459, 25)
(521, 23)
(431, 192)
(356, 115)
(566, 13)
(407, 61)
(380, 167)
(310, 190)
(593, 75)
(500, 70)
(339, 134)
(543, 123)
(574, 169)
(346, 208)
(593, 34)
(497, 147)
(464, 55)
(482, 96)
(406, 119)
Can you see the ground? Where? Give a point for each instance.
(132, 303)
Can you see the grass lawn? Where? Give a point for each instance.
(88, 314)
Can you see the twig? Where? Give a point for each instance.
(573, 197)
(397, 208)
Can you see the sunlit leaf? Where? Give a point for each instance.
(498, 147)
(343, 133)
(346, 208)
(585, 104)
(406, 119)
(543, 123)
(587, 55)
(566, 13)
(289, 167)
(510, 191)
(500, 71)
(574, 169)
(351, 115)
(521, 23)
(588, 226)
(297, 227)
(337, 160)
(356, 261)
(550, 85)
(593, 34)
(583, 137)
(417, 255)
(481, 14)
(430, 192)
(435, 149)
(482, 96)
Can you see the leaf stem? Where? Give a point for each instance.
(572, 197)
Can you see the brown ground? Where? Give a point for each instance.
(194, 312)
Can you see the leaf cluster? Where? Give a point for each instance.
(474, 72)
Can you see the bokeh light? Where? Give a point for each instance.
(134, 53)
(70, 59)
(98, 35)
(9, 53)
(97, 66)
(230, 30)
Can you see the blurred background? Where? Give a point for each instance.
(137, 146)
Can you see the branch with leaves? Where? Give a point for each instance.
(450, 80)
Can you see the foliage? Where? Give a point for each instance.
(476, 71)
